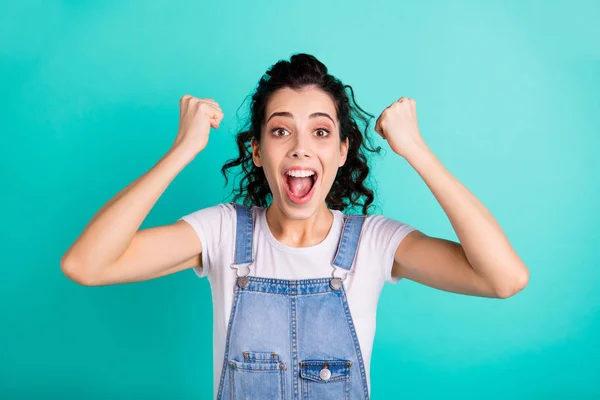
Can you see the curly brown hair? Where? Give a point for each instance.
(349, 188)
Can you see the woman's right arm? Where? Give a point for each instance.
(112, 249)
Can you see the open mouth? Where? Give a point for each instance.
(300, 185)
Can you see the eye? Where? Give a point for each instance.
(275, 131)
(324, 132)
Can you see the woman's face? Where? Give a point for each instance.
(300, 150)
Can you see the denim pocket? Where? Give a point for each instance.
(325, 379)
(261, 375)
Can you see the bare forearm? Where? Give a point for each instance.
(110, 231)
(485, 245)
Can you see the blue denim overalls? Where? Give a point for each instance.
(292, 339)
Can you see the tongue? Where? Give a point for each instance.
(299, 186)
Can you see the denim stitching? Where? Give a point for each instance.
(355, 340)
(294, 344)
(229, 329)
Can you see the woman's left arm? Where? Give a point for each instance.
(484, 262)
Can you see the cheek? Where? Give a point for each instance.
(331, 161)
(268, 170)
(269, 163)
(330, 155)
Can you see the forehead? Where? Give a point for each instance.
(301, 102)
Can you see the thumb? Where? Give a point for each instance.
(378, 128)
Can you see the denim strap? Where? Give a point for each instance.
(348, 244)
(243, 235)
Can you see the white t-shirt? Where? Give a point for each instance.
(215, 227)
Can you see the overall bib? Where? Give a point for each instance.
(292, 339)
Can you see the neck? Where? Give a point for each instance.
(299, 232)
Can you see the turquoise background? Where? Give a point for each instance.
(507, 98)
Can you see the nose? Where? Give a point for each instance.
(301, 147)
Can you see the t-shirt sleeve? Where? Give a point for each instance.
(211, 224)
(385, 235)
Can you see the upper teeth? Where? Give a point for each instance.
(300, 173)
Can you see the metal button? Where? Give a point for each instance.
(335, 283)
(325, 374)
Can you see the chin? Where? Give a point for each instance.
(295, 211)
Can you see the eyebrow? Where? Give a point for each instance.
(290, 115)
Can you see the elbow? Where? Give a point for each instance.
(76, 272)
(514, 286)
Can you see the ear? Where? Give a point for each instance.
(344, 151)
(256, 153)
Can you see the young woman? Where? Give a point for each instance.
(295, 281)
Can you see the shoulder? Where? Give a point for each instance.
(379, 222)
(382, 230)
(221, 210)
